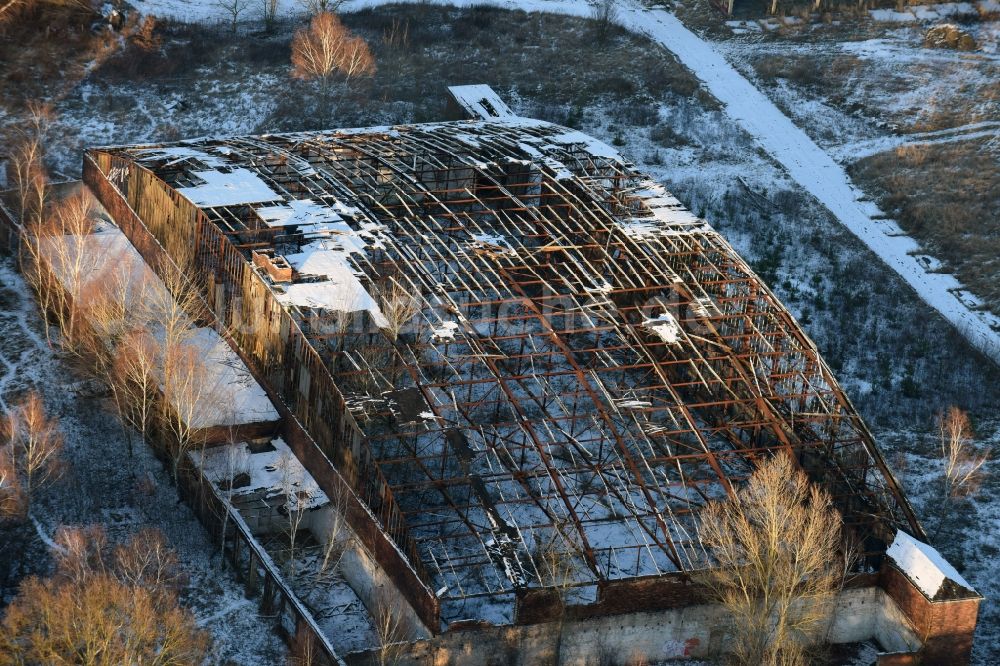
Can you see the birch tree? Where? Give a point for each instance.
(326, 49)
(33, 443)
(103, 606)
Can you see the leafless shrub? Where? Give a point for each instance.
(774, 563)
(269, 11)
(397, 35)
(605, 16)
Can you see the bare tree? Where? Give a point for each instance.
(325, 49)
(35, 444)
(134, 380)
(8, 7)
(233, 9)
(103, 606)
(190, 397)
(387, 620)
(313, 7)
(11, 494)
(26, 169)
(112, 302)
(963, 465)
(337, 534)
(399, 306)
(773, 563)
(554, 561)
(59, 265)
(269, 10)
(296, 503)
(237, 464)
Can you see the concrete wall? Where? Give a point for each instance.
(375, 589)
(698, 631)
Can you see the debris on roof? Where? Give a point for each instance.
(481, 102)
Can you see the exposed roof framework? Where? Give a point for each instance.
(587, 363)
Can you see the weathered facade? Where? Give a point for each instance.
(502, 338)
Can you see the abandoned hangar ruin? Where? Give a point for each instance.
(495, 337)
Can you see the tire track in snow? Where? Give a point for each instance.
(813, 169)
(857, 150)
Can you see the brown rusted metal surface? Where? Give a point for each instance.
(587, 362)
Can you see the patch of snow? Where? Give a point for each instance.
(174, 154)
(228, 188)
(445, 332)
(341, 289)
(923, 564)
(272, 473)
(298, 212)
(494, 243)
(665, 326)
(232, 395)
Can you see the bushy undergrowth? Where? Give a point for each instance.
(948, 196)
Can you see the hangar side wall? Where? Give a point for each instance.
(165, 227)
(697, 631)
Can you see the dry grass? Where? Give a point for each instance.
(947, 196)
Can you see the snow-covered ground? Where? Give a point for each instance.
(875, 332)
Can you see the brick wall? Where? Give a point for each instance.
(945, 627)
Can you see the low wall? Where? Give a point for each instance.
(694, 631)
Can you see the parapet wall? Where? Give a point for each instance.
(692, 631)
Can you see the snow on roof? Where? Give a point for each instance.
(228, 188)
(341, 289)
(923, 564)
(274, 473)
(231, 395)
(179, 153)
(298, 212)
(665, 326)
(481, 101)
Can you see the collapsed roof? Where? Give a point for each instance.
(543, 348)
